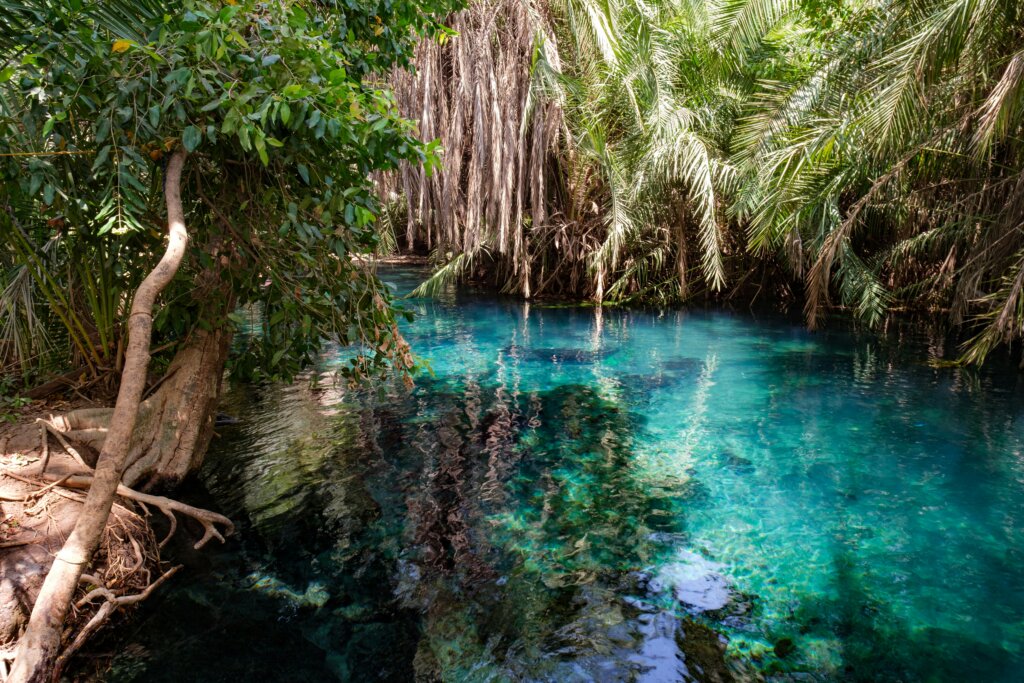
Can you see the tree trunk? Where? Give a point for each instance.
(178, 419)
(38, 647)
(175, 424)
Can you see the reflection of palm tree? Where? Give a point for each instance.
(523, 505)
(442, 516)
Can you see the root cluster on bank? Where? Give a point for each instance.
(42, 478)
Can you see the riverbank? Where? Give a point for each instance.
(43, 483)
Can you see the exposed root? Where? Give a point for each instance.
(112, 603)
(126, 568)
(207, 518)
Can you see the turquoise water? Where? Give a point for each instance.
(579, 495)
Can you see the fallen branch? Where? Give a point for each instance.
(48, 426)
(59, 382)
(54, 481)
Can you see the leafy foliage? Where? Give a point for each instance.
(282, 108)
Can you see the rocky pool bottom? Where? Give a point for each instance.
(583, 495)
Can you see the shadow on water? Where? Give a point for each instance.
(877, 645)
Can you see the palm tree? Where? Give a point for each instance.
(871, 147)
(893, 163)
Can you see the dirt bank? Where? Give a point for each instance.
(38, 509)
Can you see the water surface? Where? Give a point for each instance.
(586, 495)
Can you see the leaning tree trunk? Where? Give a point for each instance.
(38, 647)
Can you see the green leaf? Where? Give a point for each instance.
(261, 149)
(303, 172)
(101, 157)
(243, 137)
(191, 137)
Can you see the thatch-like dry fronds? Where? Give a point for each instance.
(478, 95)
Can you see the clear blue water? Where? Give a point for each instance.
(578, 495)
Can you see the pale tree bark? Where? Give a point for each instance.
(38, 647)
(175, 424)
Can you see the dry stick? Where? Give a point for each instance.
(45, 447)
(101, 616)
(48, 426)
(35, 494)
(39, 645)
(48, 154)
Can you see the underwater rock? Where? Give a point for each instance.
(314, 596)
(660, 655)
(669, 373)
(695, 582)
(784, 647)
(685, 366)
(705, 653)
(737, 463)
(425, 664)
(566, 354)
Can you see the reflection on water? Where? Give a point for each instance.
(578, 495)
